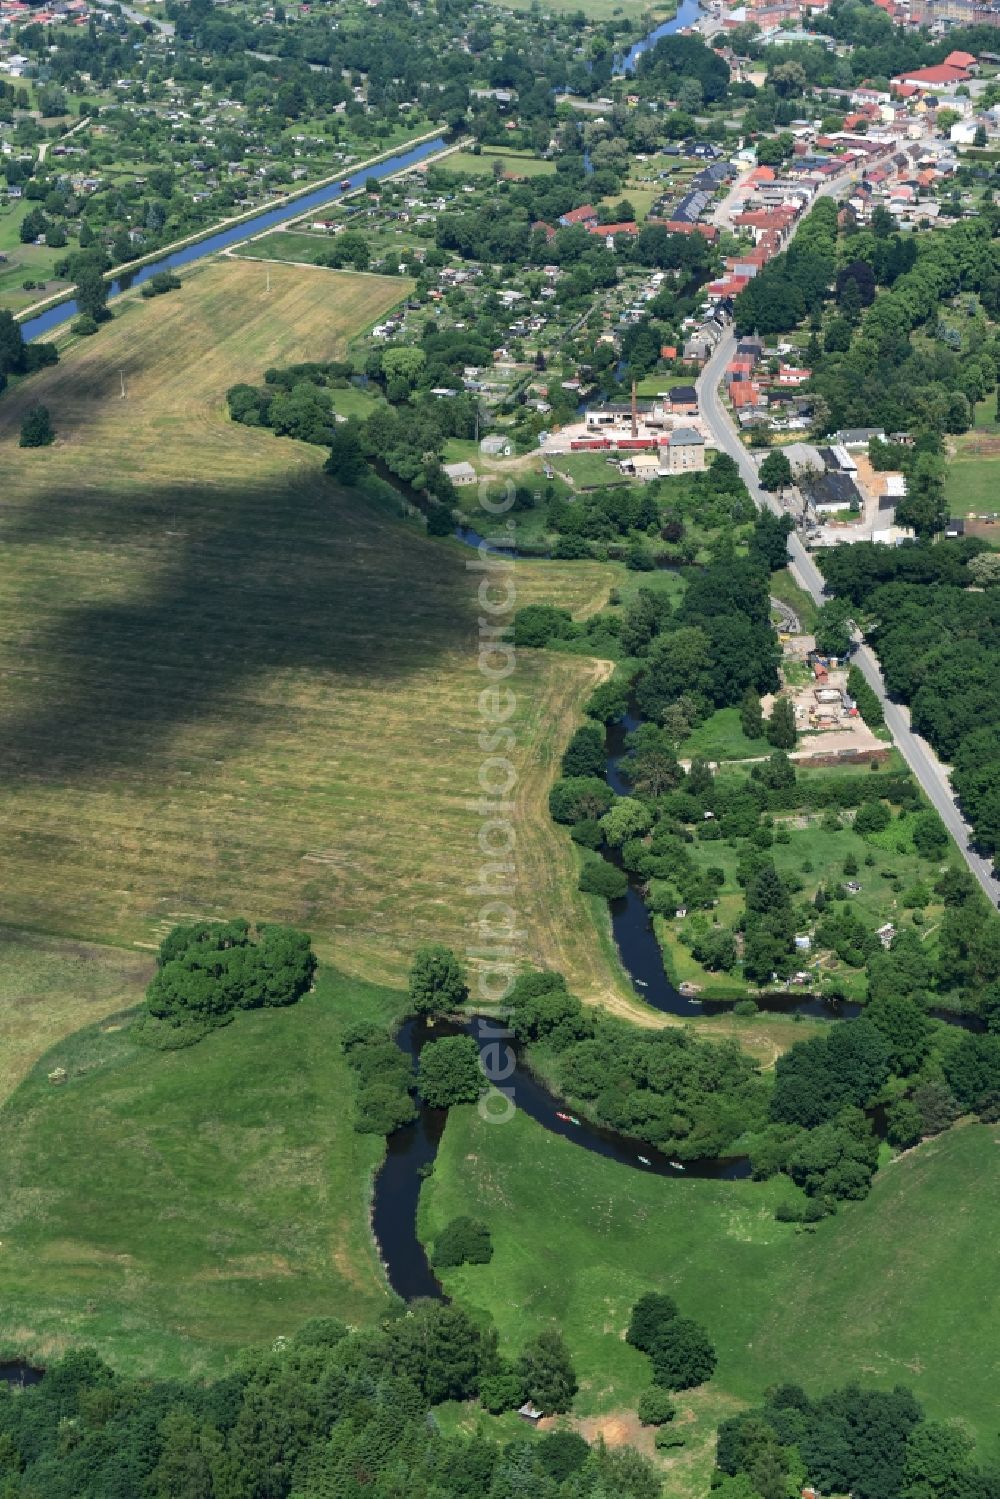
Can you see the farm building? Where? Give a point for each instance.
(460, 473)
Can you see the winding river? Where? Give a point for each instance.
(411, 1150)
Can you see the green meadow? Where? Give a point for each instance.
(890, 1290)
(170, 1208)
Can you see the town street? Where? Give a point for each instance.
(923, 762)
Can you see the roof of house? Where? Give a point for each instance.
(685, 394)
(627, 226)
(941, 73)
(960, 60)
(834, 489)
(685, 437)
(579, 215)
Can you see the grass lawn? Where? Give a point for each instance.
(352, 400)
(663, 580)
(890, 1290)
(49, 989)
(985, 417)
(658, 383)
(721, 737)
(286, 244)
(972, 478)
(641, 198)
(170, 1208)
(588, 470)
(232, 687)
(514, 163)
(783, 586)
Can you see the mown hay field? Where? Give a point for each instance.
(229, 686)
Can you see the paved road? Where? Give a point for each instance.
(166, 27)
(923, 762)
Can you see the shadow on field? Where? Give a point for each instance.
(232, 586)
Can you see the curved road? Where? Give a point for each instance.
(923, 762)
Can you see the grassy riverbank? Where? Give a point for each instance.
(889, 1291)
(172, 1208)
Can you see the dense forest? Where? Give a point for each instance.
(329, 1412)
(871, 1444)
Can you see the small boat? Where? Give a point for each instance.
(645, 1161)
(573, 1119)
(640, 983)
(345, 184)
(677, 1165)
(566, 1118)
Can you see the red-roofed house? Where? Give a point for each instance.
(940, 77)
(586, 215)
(961, 60)
(550, 233)
(738, 369)
(728, 286)
(628, 226)
(746, 396)
(681, 226)
(788, 374)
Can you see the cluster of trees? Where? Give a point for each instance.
(449, 1070)
(160, 283)
(208, 970)
(869, 368)
(679, 1349)
(865, 367)
(794, 284)
(854, 572)
(299, 402)
(925, 1072)
(663, 69)
(707, 652)
(666, 521)
(462, 1241)
(294, 402)
(450, 1073)
(688, 1097)
(327, 1411)
(874, 1444)
(37, 430)
(383, 1080)
(437, 984)
(17, 357)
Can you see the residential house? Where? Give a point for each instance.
(460, 474)
(682, 400)
(684, 453)
(586, 215)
